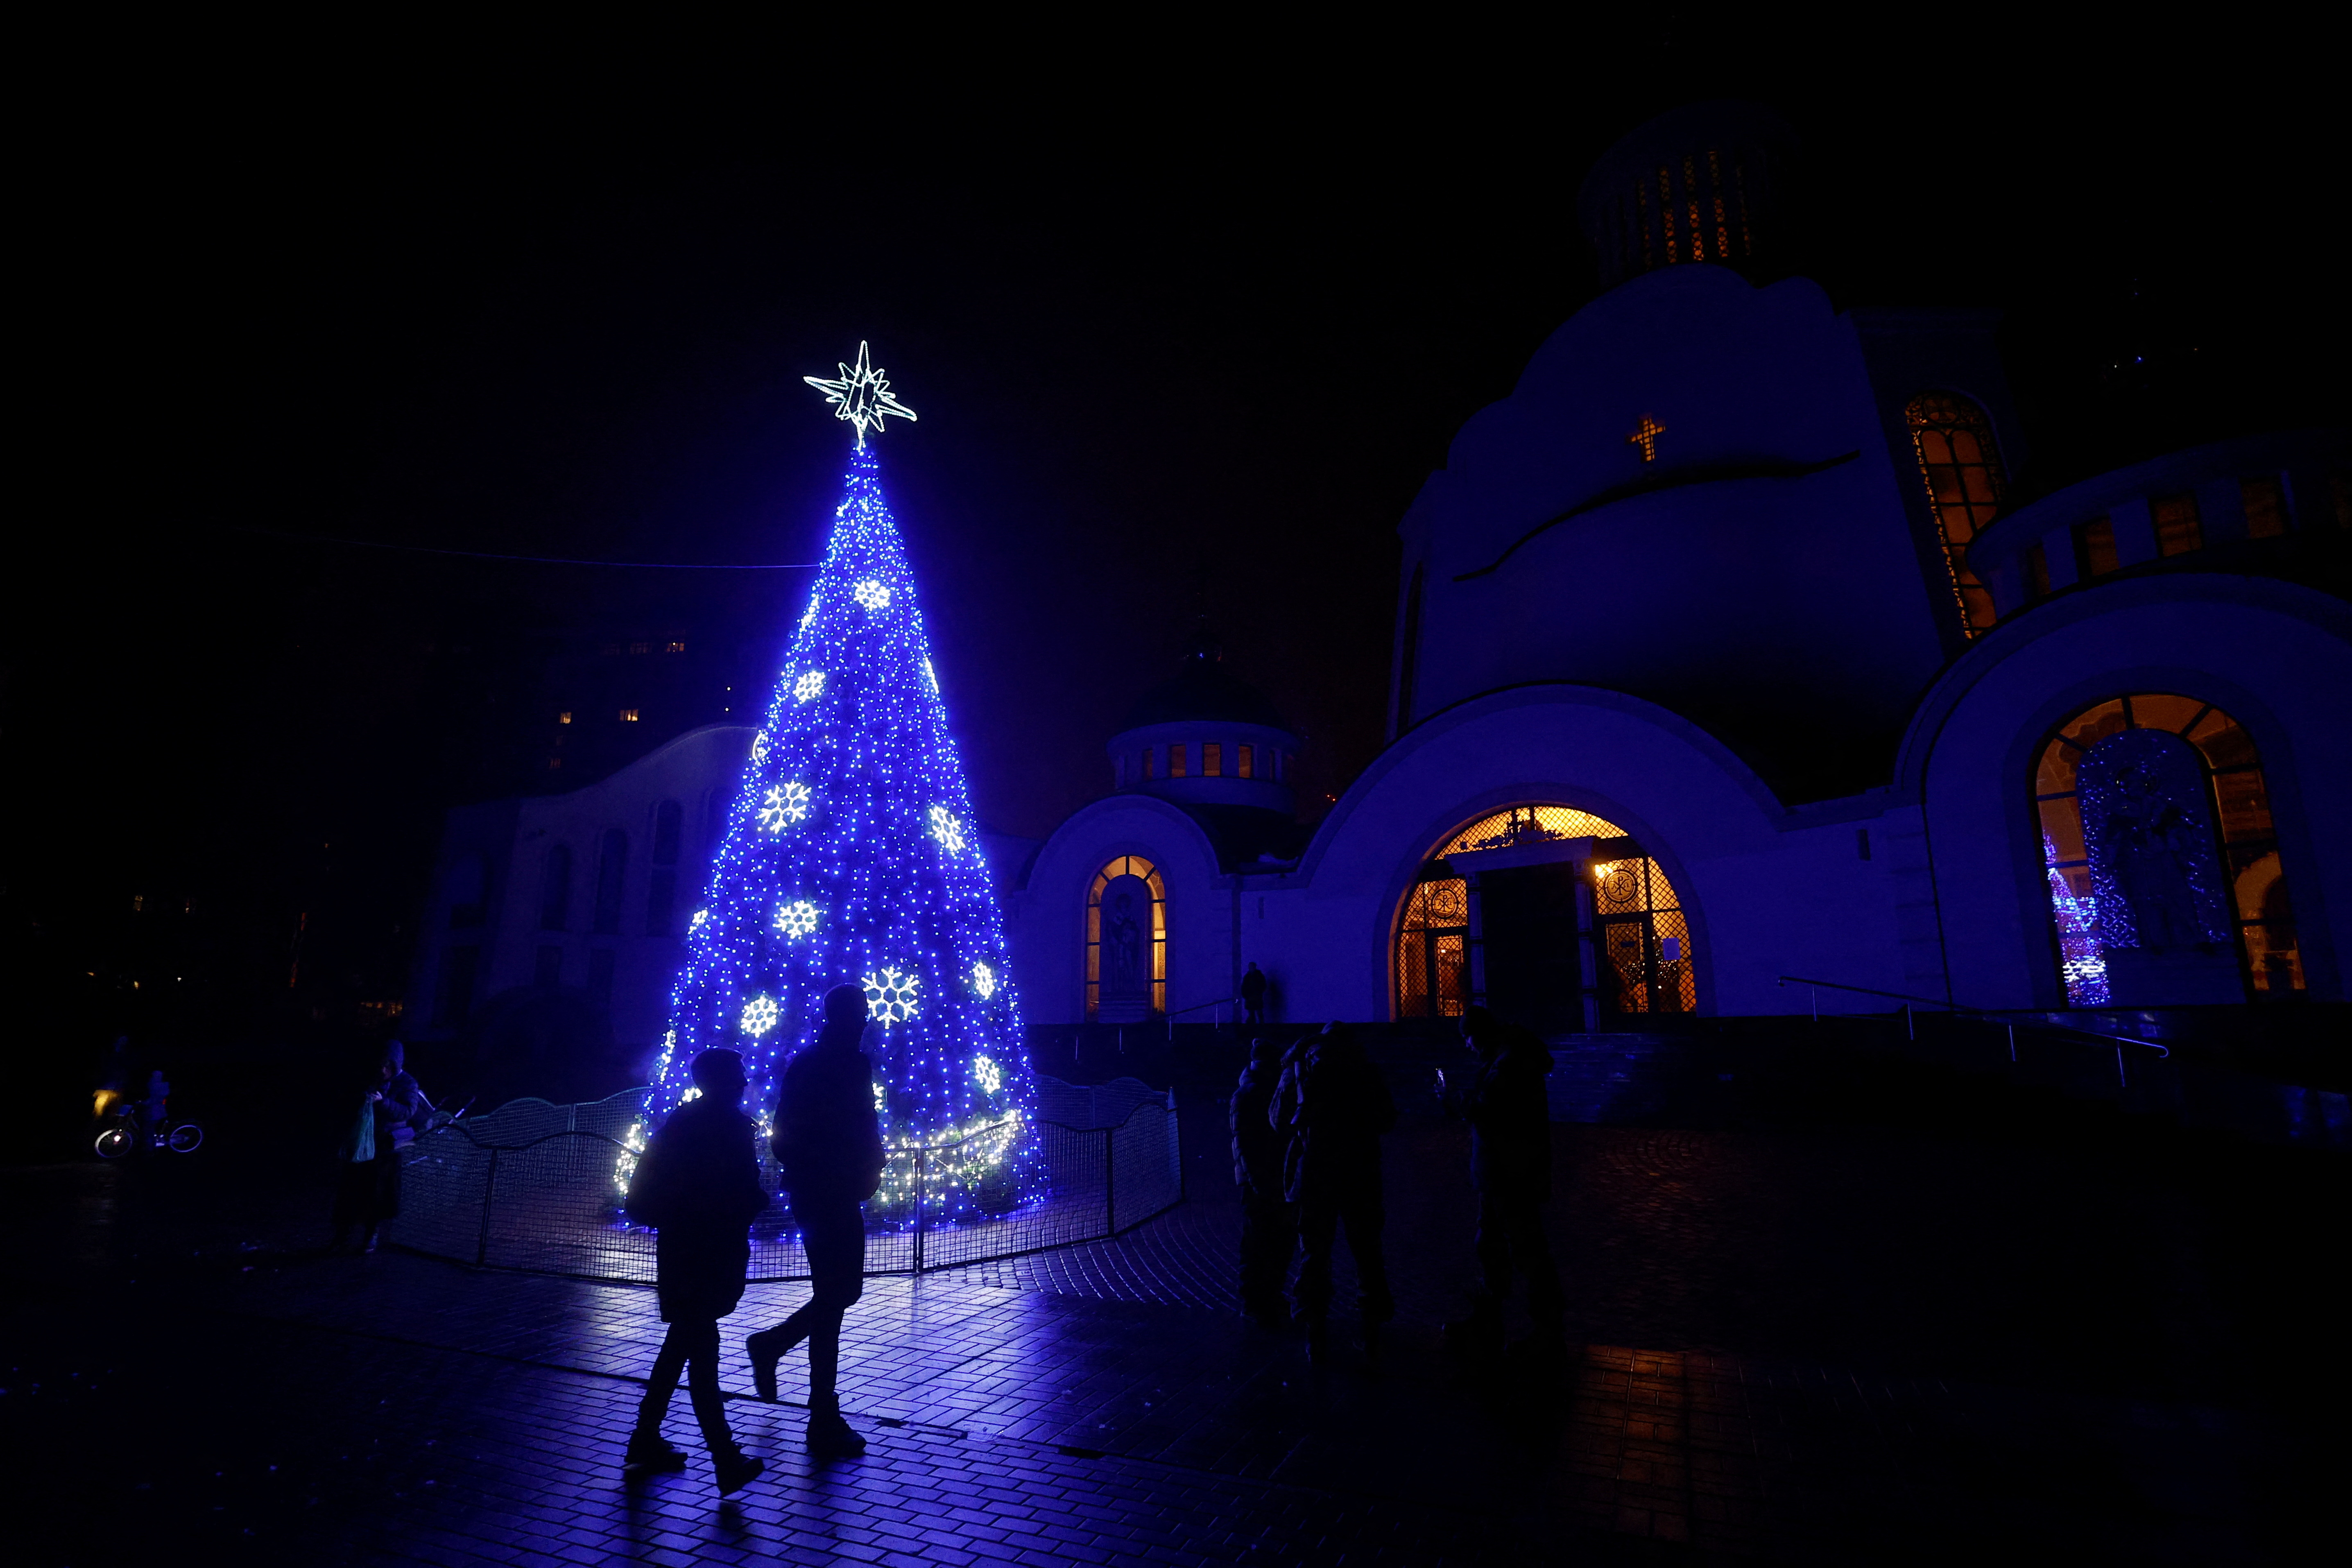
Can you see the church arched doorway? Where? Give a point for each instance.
(1551, 916)
(1127, 941)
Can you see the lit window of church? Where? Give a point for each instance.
(2265, 507)
(1242, 761)
(2094, 548)
(2161, 857)
(1962, 470)
(565, 716)
(2176, 530)
(1212, 760)
(1127, 941)
(1176, 762)
(1146, 763)
(641, 647)
(673, 647)
(628, 715)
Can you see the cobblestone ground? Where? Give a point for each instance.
(1837, 1344)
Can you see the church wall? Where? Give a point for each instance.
(1782, 597)
(700, 770)
(1045, 922)
(1766, 894)
(2277, 657)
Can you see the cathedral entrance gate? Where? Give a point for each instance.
(1549, 915)
(1531, 936)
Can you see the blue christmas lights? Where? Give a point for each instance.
(848, 858)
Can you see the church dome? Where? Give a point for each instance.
(1206, 738)
(1695, 185)
(1203, 689)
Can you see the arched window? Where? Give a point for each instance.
(1127, 941)
(1433, 960)
(555, 889)
(612, 864)
(661, 886)
(1962, 470)
(1641, 938)
(2161, 858)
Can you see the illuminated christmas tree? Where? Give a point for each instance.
(851, 856)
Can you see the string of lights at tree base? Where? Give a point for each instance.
(851, 856)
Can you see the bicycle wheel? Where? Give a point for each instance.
(114, 1142)
(185, 1137)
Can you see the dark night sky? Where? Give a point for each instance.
(1214, 328)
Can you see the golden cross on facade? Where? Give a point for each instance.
(1646, 435)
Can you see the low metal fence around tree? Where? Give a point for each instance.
(537, 1187)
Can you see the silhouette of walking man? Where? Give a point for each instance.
(830, 1146)
(1336, 1105)
(1510, 1164)
(1269, 1232)
(698, 1185)
(1253, 993)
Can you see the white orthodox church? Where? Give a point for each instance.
(1720, 658)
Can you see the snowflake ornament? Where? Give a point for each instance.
(760, 747)
(987, 1074)
(874, 595)
(785, 804)
(947, 830)
(983, 981)
(893, 995)
(701, 918)
(760, 1016)
(797, 918)
(808, 687)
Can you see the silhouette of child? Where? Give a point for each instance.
(698, 1186)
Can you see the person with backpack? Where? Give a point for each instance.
(1335, 1105)
(828, 1142)
(697, 1185)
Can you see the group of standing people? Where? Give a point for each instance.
(1307, 1126)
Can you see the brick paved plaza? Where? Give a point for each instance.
(1847, 1340)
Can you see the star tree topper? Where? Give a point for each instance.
(861, 395)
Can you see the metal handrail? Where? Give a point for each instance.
(2161, 1049)
(1212, 1002)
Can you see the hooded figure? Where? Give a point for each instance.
(1269, 1230)
(1335, 1105)
(697, 1185)
(1510, 1163)
(829, 1143)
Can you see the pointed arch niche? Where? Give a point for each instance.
(1127, 941)
(1553, 916)
(2160, 857)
